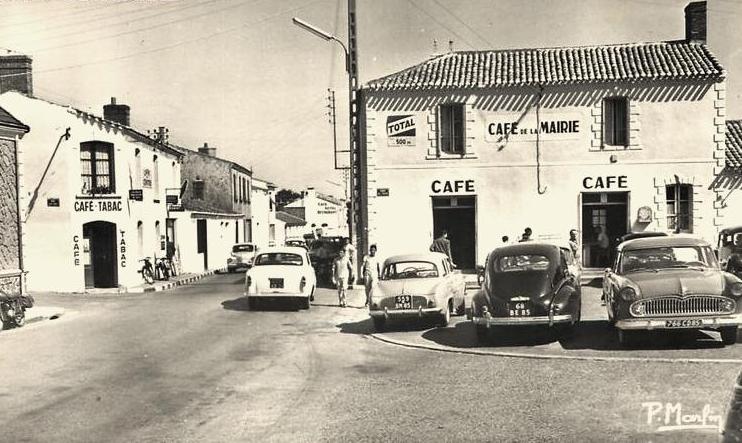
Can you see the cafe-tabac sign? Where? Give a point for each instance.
(517, 127)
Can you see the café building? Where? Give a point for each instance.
(92, 195)
(616, 138)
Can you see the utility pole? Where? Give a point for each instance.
(357, 228)
(333, 121)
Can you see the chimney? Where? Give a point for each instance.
(695, 22)
(15, 73)
(205, 149)
(116, 113)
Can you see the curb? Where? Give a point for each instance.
(173, 284)
(439, 348)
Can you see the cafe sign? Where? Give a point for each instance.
(518, 127)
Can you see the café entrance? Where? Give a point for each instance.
(602, 212)
(457, 216)
(99, 254)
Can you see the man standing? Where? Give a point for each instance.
(350, 253)
(340, 274)
(573, 245)
(442, 245)
(371, 271)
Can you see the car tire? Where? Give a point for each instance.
(305, 303)
(728, 335)
(446, 316)
(379, 323)
(311, 295)
(482, 333)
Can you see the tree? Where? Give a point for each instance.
(286, 196)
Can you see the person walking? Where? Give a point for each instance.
(442, 245)
(371, 270)
(340, 275)
(350, 253)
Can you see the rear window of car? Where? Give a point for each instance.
(515, 263)
(278, 258)
(243, 248)
(409, 269)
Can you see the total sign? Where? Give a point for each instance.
(401, 130)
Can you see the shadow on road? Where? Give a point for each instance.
(359, 327)
(240, 304)
(463, 335)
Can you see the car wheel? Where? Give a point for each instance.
(379, 323)
(482, 333)
(446, 315)
(729, 335)
(305, 303)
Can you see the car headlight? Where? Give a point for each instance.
(727, 305)
(627, 294)
(736, 289)
(638, 309)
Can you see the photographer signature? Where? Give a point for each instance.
(675, 417)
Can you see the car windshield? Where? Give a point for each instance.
(667, 257)
(243, 248)
(278, 258)
(409, 269)
(526, 262)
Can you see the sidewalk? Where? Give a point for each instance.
(178, 280)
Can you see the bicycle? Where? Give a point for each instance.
(162, 268)
(147, 271)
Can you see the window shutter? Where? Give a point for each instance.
(622, 121)
(608, 123)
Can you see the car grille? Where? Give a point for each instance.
(689, 305)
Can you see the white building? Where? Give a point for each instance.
(93, 196)
(266, 229)
(324, 214)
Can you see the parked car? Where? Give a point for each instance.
(527, 283)
(641, 234)
(671, 283)
(281, 273)
(416, 286)
(323, 252)
(729, 243)
(241, 257)
(297, 243)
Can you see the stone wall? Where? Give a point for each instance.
(9, 247)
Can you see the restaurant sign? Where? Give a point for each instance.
(501, 128)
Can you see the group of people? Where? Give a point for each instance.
(343, 271)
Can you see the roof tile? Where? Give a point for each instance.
(568, 65)
(734, 144)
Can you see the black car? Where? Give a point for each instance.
(526, 284)
(323, 252)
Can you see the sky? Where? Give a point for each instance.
(239, 75)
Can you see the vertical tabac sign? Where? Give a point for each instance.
(400, 130)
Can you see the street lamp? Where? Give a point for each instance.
(324, 35)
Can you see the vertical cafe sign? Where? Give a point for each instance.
(400, 130)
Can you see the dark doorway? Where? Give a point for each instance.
(457, 216)
(602, 209)
(201, 242)
(99, 249)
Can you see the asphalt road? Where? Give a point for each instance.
(193, 364)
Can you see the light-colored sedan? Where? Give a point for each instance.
(241, 257)
(281, 273)
(416, 286)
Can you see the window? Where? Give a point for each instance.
(451, 128)
(679, 200)
(616, 121)
(234, 187)
(140, 239)
(156, 177)
(158, 234)
(96, 159)
(138, 168)
(198, 189)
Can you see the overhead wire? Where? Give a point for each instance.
(432, 17)
(472, 30)
(72, 11)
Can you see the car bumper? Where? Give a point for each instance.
(547, 320)
(401, 313)
(278, 296)
(237, 266)
(661, 323)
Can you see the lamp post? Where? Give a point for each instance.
(351, 68)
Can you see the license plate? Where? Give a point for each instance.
(519, 309)
(686, 323)
(403, 302)
(276, 283)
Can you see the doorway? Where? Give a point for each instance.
(457, 216)
(602, 211)
(201, 243)
(99, 254)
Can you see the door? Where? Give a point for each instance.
(456, 215)
(100, 239)
(602, 212)
(201, 241)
